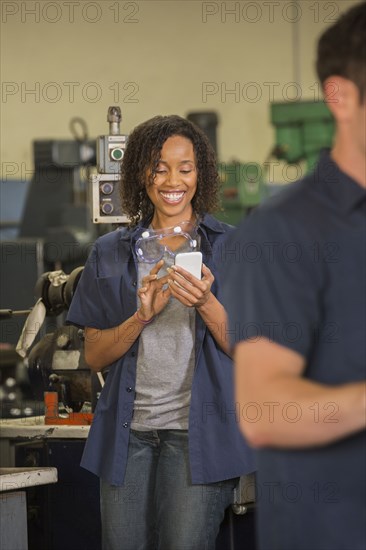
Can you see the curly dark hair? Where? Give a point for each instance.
(143, 152)
(342, 49)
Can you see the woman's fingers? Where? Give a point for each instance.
(153, 275)
(147, 279)
(189, 290)
(155, 270)
(206, 271)
(187, 281)
(162, 280)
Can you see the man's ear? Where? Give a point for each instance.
(342, 96)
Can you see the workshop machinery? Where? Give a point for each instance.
(302, 130)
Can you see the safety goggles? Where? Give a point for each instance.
(151, 248)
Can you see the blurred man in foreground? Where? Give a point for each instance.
(296, 300)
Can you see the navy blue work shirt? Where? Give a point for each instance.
(296, 274)
(106, 296)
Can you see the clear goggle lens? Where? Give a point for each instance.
(150, 247)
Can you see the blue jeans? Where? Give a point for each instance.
(158, 508)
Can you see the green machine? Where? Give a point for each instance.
(242, 188)
(302, 128)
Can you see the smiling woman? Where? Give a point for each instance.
(167, 468)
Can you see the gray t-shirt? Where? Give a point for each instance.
(165, 364)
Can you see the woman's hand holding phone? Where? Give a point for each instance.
(190, 290)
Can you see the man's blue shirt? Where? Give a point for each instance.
(296, 274)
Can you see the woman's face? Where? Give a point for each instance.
(174, 184)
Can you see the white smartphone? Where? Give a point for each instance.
(190, 261)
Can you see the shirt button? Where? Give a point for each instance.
(125, 424)
(129, 390)
(134, 283)
(133, 353)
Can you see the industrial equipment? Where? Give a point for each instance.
(105, 189)
(59, 224)
(61, 217)
(242, 183)
(58, 374)
(242, 188)
(208, 122)
(55, 364)
(303, 128)
(56, 208)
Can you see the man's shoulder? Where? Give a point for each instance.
(291, 196)
(292, 208)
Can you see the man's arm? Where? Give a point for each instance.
(279, 408)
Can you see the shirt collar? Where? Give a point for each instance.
(342, 190)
